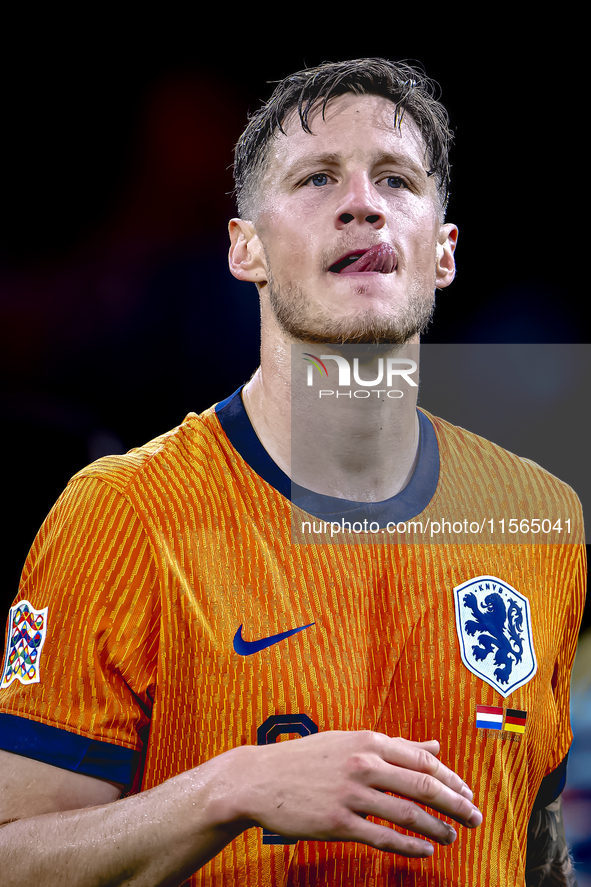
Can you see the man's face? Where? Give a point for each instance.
(356, 187)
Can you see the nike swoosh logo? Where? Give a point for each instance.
(247, 648)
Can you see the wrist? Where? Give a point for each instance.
(228, 805)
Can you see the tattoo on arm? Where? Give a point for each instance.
(548, 862)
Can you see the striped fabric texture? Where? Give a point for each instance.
(150, 562)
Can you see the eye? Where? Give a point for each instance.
(319, 179)
(396, 182)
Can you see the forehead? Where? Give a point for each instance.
(353, 127)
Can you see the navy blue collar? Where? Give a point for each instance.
(412, 500)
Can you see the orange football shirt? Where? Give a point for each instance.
(124, 657)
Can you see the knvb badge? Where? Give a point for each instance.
(493, 622)
(27, 629)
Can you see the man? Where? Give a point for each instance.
(262, 572)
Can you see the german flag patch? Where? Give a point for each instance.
(515, 720)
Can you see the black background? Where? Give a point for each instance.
(117, 312)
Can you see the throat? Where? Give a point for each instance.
(363, 452)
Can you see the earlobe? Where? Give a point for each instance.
(246, 257)
(446, 265)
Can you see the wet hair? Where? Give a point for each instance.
(406, 86)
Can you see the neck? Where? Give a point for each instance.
(359, 442)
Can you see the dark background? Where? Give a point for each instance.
(118, 314)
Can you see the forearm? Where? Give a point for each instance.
(322, 787)
(159, 837)
(548, 860)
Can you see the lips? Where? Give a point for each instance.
(380, 259)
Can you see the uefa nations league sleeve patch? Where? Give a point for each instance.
(493, 621)
(27, 628)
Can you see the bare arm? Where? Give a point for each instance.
(548, 862)
(69, 830)
(318, 788)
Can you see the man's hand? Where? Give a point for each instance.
(322, 787)
(318, 788)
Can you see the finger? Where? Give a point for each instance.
(415, 756)
(388, 839)
(430, 791)
(402, 812)
(429, 744)
(433, 746)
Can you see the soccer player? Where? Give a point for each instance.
(313, 557)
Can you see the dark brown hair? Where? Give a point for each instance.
(406, 86)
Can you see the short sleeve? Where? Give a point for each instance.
(82, 636)
(573, 614)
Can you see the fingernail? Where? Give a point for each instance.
(475, 818)
(467, 792)
(452, 833)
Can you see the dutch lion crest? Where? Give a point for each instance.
(493, 622)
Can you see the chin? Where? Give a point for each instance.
(305, 320)
(363, 328)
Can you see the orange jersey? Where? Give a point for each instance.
(176, 604)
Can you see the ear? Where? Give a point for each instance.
(446, 265)
(246, 257)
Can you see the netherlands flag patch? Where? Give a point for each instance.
(489, 717)
(27, 628)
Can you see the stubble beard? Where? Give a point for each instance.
(307, 322)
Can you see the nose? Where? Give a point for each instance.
(361, 204)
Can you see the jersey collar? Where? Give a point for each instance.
(409, 502)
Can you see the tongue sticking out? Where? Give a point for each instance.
(380, 258)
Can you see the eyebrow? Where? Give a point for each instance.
(383, 158)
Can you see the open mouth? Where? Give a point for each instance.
(379, 259)
(349, 259)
